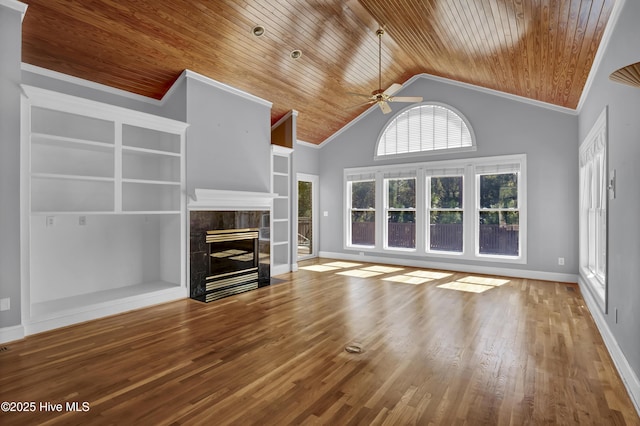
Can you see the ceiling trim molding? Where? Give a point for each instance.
(510, 96)
(602, 47)
(211, 82)
(459, 84)
(289, 113)
(307, 144)
(90, 84)
(15, 5)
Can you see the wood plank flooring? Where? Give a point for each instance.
(439, 348)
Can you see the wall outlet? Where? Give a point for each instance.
(50, 220)
(325, 213)
(561, 261)
(82, 221)
(5, 304)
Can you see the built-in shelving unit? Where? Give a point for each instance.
(280, 217)
(104, 209)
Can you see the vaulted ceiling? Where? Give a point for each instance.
(538, 49)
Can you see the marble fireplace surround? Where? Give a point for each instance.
(211, 209)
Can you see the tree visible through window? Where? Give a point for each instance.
(363, 212)
(446, 214)
(499, 216)
(401, 213)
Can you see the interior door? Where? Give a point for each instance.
(307, 216)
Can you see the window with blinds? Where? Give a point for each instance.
(425, 128)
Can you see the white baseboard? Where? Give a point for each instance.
(629, 378)
(280, 269)
(91, 312)
(457, 267)
(9, 334)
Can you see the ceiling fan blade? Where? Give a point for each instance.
(393, 89)
(386, 109)
(406, 99)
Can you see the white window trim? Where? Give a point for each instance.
(415, 154)
(596, 284)
(349, 210)
(470, 238)
(387, 209)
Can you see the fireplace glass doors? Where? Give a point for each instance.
(233, 262)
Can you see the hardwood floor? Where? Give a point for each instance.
(437, 348)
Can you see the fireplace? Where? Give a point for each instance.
(229, 234)
(233, 262)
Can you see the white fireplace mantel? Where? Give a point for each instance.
(217, 199)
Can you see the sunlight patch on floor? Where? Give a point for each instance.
(429, 274)
(318, 268)
(406, 279)
(473, 284)
(342, 264)
(360, 273)
(382, 269)
(494, 282)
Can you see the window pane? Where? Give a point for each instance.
(445, 230)
(363, 228)
(363, 195)
(499, 191)
(402, 193)
(446, 192)
(401, 229)
(499, 233)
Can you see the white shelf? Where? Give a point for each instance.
(85, 301)
(280, 215)
(69, 143)
(55, 176)
(144, 151)
(123, 169)
(151, 182)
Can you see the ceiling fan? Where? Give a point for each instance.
(383, 97)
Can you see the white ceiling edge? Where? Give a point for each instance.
(92, 84)
(15, 5)
(604, 43)
(307, 144)
(134, 96)
(222, 86)
(289, 113)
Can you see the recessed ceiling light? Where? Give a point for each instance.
(258, 30)
(295, 54)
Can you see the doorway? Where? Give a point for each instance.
(307, 216)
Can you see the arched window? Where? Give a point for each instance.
(426, 128)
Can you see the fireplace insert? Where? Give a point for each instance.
(232, 262)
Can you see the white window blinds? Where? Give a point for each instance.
(427, 127)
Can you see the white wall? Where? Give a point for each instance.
(10, 54)
(502, 126)
(624, 158)
(228, 139)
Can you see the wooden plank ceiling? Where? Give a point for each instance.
(539, 49)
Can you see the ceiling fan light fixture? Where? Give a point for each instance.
(296, 54)
(258, 31)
